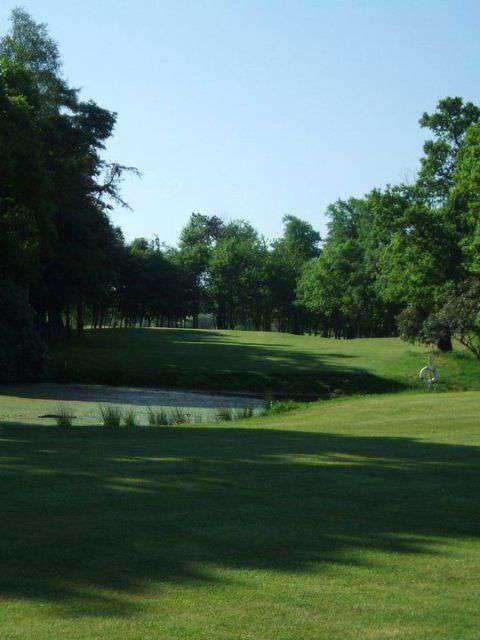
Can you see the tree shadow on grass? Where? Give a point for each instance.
(211, 361)
(93, 523)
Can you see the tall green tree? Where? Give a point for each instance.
(75, 266)
(298, 244)
(338, 287)
(449, 123)
(425, 255)
(197, 240)
(237, 278)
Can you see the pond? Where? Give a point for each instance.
(39, 402)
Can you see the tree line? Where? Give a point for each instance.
(402, 259)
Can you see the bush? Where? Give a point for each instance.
(417, 325)
(459, 317)
(157, 417)
(130, 419)
(64, 418)
(162, 418)
(225, 414)
(178, 416)
(276, 407)
(245, 412)
(410, 321)
(111, 416)
(22, 353)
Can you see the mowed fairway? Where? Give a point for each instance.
(349, 519)
(261, 363)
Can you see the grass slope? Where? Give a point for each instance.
(356, 518)
(260, 363)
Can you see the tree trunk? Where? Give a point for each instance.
(68, 321)
(444, 342)
(80, 322)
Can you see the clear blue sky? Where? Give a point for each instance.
(257, 109)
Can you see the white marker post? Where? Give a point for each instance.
(429, 374)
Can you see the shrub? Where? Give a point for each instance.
(417, 325)
(64, 418)
(130, 418)
(111, 416)
(225, 414)
(276, 407)
(178, 416)
(245, 412)
(459, 317)
(157, 417)
(409, 322)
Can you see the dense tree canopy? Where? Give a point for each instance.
(392, 259)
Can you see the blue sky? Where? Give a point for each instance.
(257, 109)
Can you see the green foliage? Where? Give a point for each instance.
(56, 188)
(299, 242)
(410, 322)
(225, 414)
(449, 123)
(245, 412)
(275, 407)
(229, 414)
(237, 277)
(459, 316)
(395, 253)
(64, 417)
(24, 215)
(29, 46)
(463, 205)
(338, 288)
(22, 353)
(129, 418)
(111, 416)
(158, 417)
(178, 415)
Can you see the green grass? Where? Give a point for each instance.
(284, 365)
(354, 518)
(351, 518)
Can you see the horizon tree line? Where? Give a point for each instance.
(403, 259)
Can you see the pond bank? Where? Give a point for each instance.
(38, 402)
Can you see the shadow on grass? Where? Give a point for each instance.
(93, 524)
(209, 361)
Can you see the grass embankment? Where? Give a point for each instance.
(353, 518)
(356, 518)
(260, 363)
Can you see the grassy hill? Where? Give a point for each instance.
(261, 363)
(355, 518)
